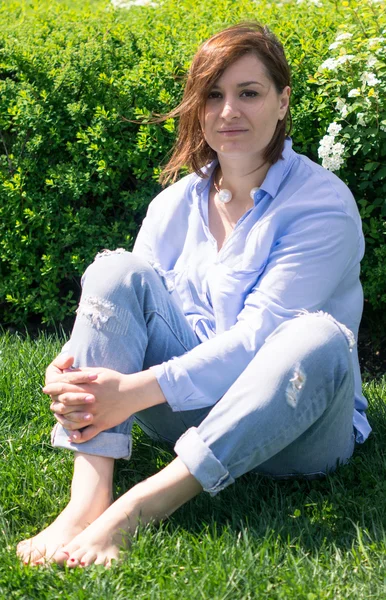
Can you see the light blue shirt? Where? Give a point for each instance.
(298, 248)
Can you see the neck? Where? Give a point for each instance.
(240, 176)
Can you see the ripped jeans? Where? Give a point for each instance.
(288, 414)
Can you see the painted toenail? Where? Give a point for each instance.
(83, 563)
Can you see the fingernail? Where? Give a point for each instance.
(93, 376)
(74, 437)
(87, 417)
(89, 399)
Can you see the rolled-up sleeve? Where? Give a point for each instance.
(306, 264)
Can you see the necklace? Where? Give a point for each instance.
(226, 196)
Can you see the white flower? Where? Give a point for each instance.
(371, 61)
(372, 42)
(345, 58)
(334, 45)
(382, 127)
(334, 129)
(341, 107)
(327, 141)
(338, 149)
(332, 163)
(343, 36)
(369, 79)
(330, 64)
(339, 104)
(361, 119)
(130, 3)
(354, 93)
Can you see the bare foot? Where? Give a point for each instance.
(101, 542)
(149, 501)
(91, 495)
(47, 545)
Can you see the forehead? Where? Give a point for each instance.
(245, 68)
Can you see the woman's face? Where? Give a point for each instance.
(242, 109)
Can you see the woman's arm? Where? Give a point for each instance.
(98, 398)
(306, 265)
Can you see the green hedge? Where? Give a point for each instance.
(76, 173)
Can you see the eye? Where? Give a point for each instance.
(249, 93)
(214, 95)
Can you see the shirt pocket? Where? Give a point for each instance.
(229, 288)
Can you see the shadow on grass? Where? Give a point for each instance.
(311, 514)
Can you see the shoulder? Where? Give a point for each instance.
(175, 197)
(322, 188)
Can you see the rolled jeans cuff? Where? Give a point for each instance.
(202, 463)
(111, 445)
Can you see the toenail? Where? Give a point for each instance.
(83, 563)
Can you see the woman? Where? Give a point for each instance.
(229, 331)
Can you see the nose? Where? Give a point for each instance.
(230, 109)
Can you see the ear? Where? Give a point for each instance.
(284, 102)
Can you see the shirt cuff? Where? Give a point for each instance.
(179, 390)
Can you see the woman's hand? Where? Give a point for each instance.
(96, 399)
(89, 397)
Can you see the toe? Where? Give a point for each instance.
(100, 559)
(76, 557)
(88, 559)
(72, 562)
(60, 556)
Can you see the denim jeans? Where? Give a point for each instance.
(288, 414)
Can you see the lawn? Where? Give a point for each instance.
(256, 539)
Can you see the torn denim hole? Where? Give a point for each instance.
(345, 330)
(96, 310)
(295, 385)
(107, 252)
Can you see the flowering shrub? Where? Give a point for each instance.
(77, 172)
(352, 86)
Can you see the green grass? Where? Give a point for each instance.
(256, 539)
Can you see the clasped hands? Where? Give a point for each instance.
(89, 400)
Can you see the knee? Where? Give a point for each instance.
(112, 270)
(320, 328)
(324, 326)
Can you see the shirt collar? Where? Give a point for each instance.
(273, 179)
(279, 170)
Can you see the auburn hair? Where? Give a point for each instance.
(212, 58)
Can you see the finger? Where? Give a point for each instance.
(63, 361)
(85, 435)
(71, 401)
(74, 420)
(78, 377)
(61, 387)
(64, 408)
(74, 377)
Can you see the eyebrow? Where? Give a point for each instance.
(243, 84)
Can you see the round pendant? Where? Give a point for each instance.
(253, 192)
(224, 196)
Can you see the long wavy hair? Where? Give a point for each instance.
(212, 58)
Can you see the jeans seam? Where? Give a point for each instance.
(154, 311)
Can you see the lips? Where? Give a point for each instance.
(233, 130)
